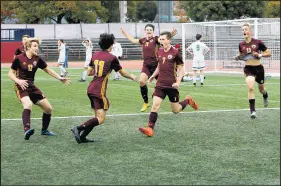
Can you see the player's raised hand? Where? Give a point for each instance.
(65, 80)
(122, 31)
(174, 32)
(22, 83)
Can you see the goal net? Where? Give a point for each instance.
(223, 38)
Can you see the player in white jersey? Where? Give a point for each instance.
(118, 52)
(61, 60)
(89, 51)
(198, 49)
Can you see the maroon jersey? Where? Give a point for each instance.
(20, 50)
(246, 49)
(26, 68)
(102, 63)
(167, 64)
(149, 50)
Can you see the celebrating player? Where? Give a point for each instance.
(198, 49)
(150, 45)
(250, 50)
(168, 82)
(21, 50)
(22, 72)
(89, 50)
(100, 67)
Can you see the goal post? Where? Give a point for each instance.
(223, 38)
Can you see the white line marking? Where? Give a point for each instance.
(136, 114)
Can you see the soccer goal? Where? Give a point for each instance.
(223, 38)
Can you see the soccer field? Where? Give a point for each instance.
(217, 145)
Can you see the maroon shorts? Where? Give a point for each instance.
(172, 93)
(256, 71)
(97, 103)
(32, 91)
(148, 70)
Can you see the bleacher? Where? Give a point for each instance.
(77, 52)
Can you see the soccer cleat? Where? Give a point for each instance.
(147, 131)
(265, 102)
(201, 84)
(64, 75)
(194, 84)
(76, 134)
(86, 140)
(144, 107)
(28, 133)
(253, 115)
(191, 102)
(81, 80)
(47, 133)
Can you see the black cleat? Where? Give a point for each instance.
(201, 84)
(81, 80)
(28, 133)
(76, 134)
(87, 140)
(194, 84)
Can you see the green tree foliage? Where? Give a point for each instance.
(272, 9)
(222, 10)
(113, 11)
(131, 11)
(146, 11)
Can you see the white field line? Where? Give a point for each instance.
(137, 114)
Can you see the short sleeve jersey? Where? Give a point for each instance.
(246, 49)
(20, 50)
(167, 64)
(149, 49)
(198, 49)
(26, 68)
(102, 63)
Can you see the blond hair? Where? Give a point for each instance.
(247, 24)
(27, 43)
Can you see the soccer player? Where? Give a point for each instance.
(118, 52)
(170, 73)
(198, 49)
(21, 48)
(61, 60)
(89, 50)
(22, 72)
(251, 51)
(101, 65)
(150, 45)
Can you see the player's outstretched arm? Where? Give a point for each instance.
(129, 37)
(55, 75)
(125, 74)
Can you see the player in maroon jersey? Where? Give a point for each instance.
(251, 51)
(101, 65)
(22, 72)
(150, 45)
(21, 50)
(170, 72)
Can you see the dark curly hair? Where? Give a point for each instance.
(106, 40)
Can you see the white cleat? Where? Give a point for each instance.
(253, 115)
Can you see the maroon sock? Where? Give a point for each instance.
(152, 119)
(46, 118)
(87, 127)
(252, 105)
(26, 119)
(183, 104)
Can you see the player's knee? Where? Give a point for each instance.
(48, 110)
(175, 110)
(251, 88)
(101, 120)
(142, 83)
(27, 105)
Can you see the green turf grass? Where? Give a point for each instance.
(191, 148)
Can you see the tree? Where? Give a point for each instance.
(131, 11)
(146, 11)
(113, 10)
(272, 9)
(222, 10)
